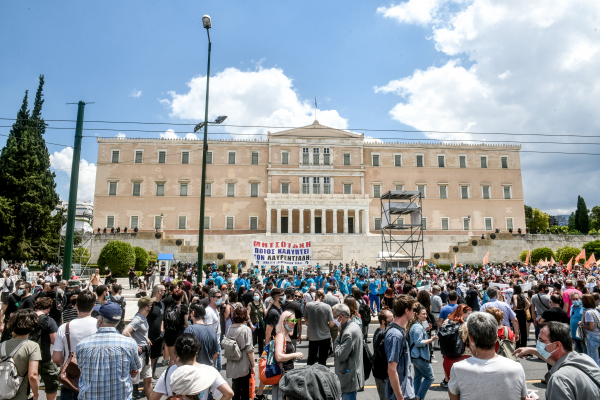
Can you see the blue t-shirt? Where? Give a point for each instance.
(344, 286)
(395, 343)
(359, 284)
(297, 281)
(447, 310)
(319, 281)
(239, 282)
(373, 287)
(383, 287)
(219, 281)
(310, 281)
(304, 289)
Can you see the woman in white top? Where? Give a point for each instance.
(187, 347)
(590, 324)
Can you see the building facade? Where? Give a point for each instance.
(313, 180)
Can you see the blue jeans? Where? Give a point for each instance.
(349, 396)
(66, 394)
(423, 377)
(592, 343)
(374, 299)
(219, 360)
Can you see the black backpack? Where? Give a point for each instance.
(451, 344)
(36, 336)
(121, 303)
(172, 317)
(365, 312)
(380, 360)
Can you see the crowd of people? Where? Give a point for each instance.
(478, 317)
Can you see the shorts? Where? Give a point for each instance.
(171, 337)
(49, 373)
(156, 348)
(145, 371)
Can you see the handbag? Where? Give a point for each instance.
(269, 370)
(69, 372)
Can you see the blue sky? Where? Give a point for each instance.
(428, 64)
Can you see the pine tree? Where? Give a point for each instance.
(27, 188)
(582, 216)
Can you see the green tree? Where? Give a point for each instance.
(152, 257)
(81, 255)
(141, 258)
(541, 253)
(523, 256)
(528, 212)
(564, 254)
(592, 247)
(27, 186)
(571, 224)
(582, 216)
(118, 256)
(537, 220)
(595, 218)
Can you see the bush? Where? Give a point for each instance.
(593, 232)
(574, 232)
(152, 257)
(444, 267)
(564, 254)
(119, 256)
(541, 253)
(141, 258)
(523, 256)
(592, 247)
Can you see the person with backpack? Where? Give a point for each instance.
(419, 351)
(363, 310)
(44, 336)
(239, 351)
(20, 357)
(506, 336)
(486, 374)
(175, 322)
(348, 351)
(319, 318)
(448, 308)
(7, 285)
(209, 352)
(453, 338)
(115, 297)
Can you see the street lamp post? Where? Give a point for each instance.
(207, 25)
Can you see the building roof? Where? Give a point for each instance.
(316, 130)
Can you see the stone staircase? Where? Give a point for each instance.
(474, 243)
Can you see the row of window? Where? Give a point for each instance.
(465, 191)
(308, 160)
(488, 223)
(136, 189)
(134, 221)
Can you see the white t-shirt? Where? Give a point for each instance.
(212, 318)
(79, 329)
(166, 389)
(495, 379)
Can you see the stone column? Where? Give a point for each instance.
(278, 220)
(268, 220)
(290, 225)
(323, 221)
(356, 221)
(312, 221)
(345, 220)
(366, 222)
(301, 221)
(335, 221)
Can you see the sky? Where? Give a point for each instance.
(524, 68)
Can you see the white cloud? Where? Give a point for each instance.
(136, 93)
(264, 97)
(513, 66)
(191, 136)
(419, 12)
(169, 134)
(121, 135)
(62, 162)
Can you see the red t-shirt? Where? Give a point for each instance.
(511, 335)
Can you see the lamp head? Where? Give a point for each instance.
(220, 119)
(206, 22)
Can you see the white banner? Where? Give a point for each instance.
(281, 253)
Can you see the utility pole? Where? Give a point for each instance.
(68, 257)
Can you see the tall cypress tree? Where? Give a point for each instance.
(27, 188)
(582, 217)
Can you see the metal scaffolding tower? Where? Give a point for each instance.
(400, 249)
(83, 241)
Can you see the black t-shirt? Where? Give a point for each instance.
(12, 304)
(183, 311)
(272, 318)
(473, 299)
(555, 314)
(148, 272)
(155, 318)
(296, 308)
(247, 298)
(27, 303)
(163, 270)
(48, 326)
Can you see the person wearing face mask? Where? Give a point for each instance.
(296, 308)
(571, 374)
(319, 318)
(27, 300)
(138, 330)
(107, 275)
(257, 312)
(348, 353)
(577, 312)
(385, 317)
(285, 351)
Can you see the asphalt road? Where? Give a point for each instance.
(534, 372)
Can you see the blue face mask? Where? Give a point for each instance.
(219, 301)
(108, 297)
(20, 292)
(541, 348)
(576, 303)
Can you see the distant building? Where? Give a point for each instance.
(84, 210)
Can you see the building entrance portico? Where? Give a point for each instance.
(317, 213)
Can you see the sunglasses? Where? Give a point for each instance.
(292, 320)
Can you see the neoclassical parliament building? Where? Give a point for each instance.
(313, 180)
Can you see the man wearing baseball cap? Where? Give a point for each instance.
(138, 330)
(107, 360)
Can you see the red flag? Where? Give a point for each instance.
(527, 259)
(581, 255)
(486, 259)
(546, 262)
(569, 264)
(454, 260)
(590, 261)
(552, 261)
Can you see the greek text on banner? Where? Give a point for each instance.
(282, 253)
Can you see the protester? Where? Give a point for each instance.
(107, 359)
(45, 336)
(458, 316)
(70, 312)
(211, 318)
(27, 354)
(348, 350)
(296, 308)
(9, 306)
(555, 313)
(591, 325)
(257, 312)
(138, 330)
(486, 373)
(577, 311)
(175, 322)
(569, 377)
(448, 308)
(285, 351)
(541, 303)
(319, 318)
(420, 354)
(239, 371)
(510, 318)
(206, 335)
(156, 325)
(504, 332)
(400, 383)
